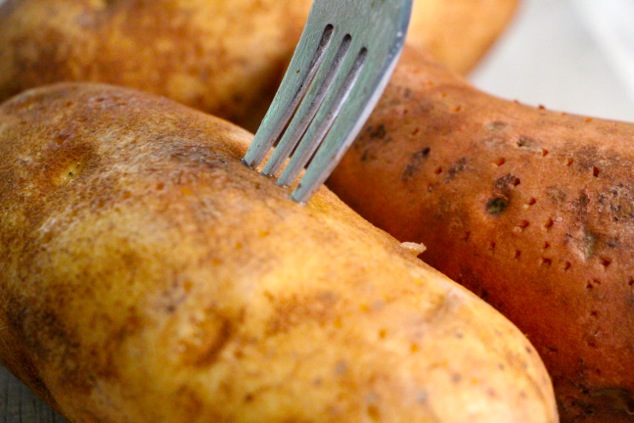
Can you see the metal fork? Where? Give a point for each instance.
(343, 61)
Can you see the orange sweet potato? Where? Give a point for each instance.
(531, 209)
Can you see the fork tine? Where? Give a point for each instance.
(285, 101)
(328, 112)
(309, 105)
(328, 92)
(350, 110)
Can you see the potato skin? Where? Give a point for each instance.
(531, 209)
(459, 33)
(223, 57)
(147, 275)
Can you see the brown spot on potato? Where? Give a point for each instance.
(496, 206)
(341, 367)
(370, 141)
(60, 139)
(496, 126)
(505, 184)
(525, 142)
(296, 310)
(207, 339)
(615, 399)
(456, 169)
(67, 174)
(373, 412)
(377, 132)
(416, 161)
(556, 194)
(618, 201)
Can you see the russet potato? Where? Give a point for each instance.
(224, 57)
(532, 209)
(148, 275)
(459, 33)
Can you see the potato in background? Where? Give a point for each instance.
(224, 57)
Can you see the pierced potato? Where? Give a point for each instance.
(147, 275)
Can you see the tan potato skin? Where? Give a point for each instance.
(147, 275)
(531, 209)
(458, 33)
(223, 57)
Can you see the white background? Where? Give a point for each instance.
(567, 55)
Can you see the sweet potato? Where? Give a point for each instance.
(531, 209)
(223, 57)
(148, 275)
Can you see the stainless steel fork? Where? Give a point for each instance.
(343, 61)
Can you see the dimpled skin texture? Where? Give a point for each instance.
(223, 57)
(148, 275)
(531, 209)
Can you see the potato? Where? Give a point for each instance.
(223, 57)
(148, 275)
(458, 33)
(531, 209)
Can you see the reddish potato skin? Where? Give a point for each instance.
(531, 209)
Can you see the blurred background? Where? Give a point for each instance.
(567, 55)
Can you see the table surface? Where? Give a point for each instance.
(547, 57)
(19, 405)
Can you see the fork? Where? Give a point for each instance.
(340, 67)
